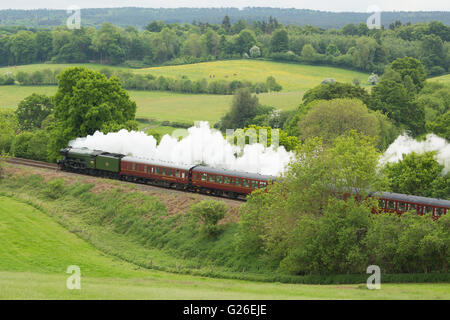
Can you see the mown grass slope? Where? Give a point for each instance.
(35, 252)
(163, 106)
(442, 79)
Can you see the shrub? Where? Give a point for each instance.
(209, 213)
(55, 188)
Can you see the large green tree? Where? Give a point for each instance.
(32, 110)
(243, 109)
(330, 119)
(280, 41)
(86, 101)
(334, 91)
(395, 94)
(418, 174)
(271, 219)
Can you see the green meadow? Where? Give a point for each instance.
(35, 252)
(170, 106)
(165, 106)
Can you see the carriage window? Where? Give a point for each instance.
(145, 168)
(428, 209)
(381, 203)
(133, 167)
(262, 184)
(246, 183)
(254, 184)
(183, 175)
(237, 181)
(169, 172)
(411, 207)
(203, 176)
(439, 211)
(391, 205)
(227, 180)
(402, 206)
(211, 178)
(219, 179)
(157, 170)
(163, 171)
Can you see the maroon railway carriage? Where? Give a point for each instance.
(397, 202)
(157, 172)
(227, 182)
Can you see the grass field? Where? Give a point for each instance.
(442, 79)
(165, 105)
(293, 77)
(35, 252)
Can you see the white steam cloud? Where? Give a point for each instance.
(201, 145)
(405, 145)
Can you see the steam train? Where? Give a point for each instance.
(207, 180)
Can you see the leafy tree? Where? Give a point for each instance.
(43, 45)
(280, 41)
(8, 129)
(108, 43)
(417, 174)
(441, 126)
(334, 91)
(2, 164)
(332, 50)
(86, 101)
(330, 119)
(275, 221)
(255, 52)
(33, 110)
(155, 26)
(23, 48)
(411, 67)
(272, 84)
(212, 42)
(433, 52)
(226, 25)
(243, 109)
(308, 52)
(245, 41)
(396, 98)
(208, 213)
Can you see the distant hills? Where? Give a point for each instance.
(139, 17)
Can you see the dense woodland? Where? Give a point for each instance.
(352, 46)
(139, 17)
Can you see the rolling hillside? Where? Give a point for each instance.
(35, 252)
(295, 79)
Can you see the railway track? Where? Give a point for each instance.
(32, 163)
(54, 166)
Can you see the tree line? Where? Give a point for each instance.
(352, 46)
(139, 17)
(149, 82)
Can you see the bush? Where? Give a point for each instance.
(31, 145)
(55, 188)
(209, 213)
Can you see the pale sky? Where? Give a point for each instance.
(324, 5)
